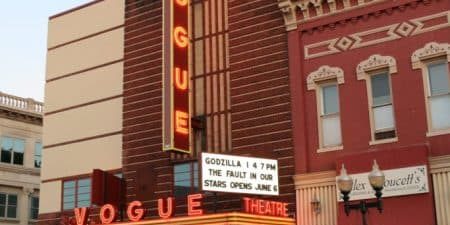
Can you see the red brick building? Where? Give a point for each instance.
(316, 85)
(369, 80)
(240, 103)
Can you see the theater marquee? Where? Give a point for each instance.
(238, 174)
(176, 111)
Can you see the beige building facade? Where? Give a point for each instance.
(83, 118)
(20, 159)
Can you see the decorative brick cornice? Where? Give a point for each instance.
(297, 12)
(431, 50)
(376, 62)
(395, 31)
(324, 73)
(287, 7)
(291, 8)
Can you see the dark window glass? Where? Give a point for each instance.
(7, 148)
(2, 205)
(438, 78)
(34, 208)
(12, 150)
(37, 154)
(19, 149)
(381, 92)
(330, 99)
(185, 178)
(11, 209)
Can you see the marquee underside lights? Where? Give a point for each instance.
(176, 107)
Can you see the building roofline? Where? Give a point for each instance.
(22, 109)
(74, 9)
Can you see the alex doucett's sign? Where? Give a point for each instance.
(237, 174)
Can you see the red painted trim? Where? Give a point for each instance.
(75, 9)
(84, 70)
(86, 37)
(84, 104)
(297, 88)
(83, 139)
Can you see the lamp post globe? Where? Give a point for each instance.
(345, 182)
(376, 177)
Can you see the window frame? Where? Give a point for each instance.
(192, 188)
(30, 208)
(7, 195)
(375, 65)
(13, 152)
(427, 92)
(324, 75)
(40, 156)
(76, 180)
(373, 131)
(321, 114)
(431, 53)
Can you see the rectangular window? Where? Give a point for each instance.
(8, 205)
(37, 154)
(439, 95)
(330, 117)
(12, 150)
(84, 193)
(185, 178)
(76, 193)
(34, 208)
(382, 109)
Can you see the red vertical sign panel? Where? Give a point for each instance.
(176, 110)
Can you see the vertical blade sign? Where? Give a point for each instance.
(176, 111)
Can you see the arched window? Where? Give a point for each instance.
(325, 81)
(377, 71)
(433, 61)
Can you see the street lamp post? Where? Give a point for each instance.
(345, 185)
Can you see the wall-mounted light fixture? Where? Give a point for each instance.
(315, 203)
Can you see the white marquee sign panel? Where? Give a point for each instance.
(237, 174)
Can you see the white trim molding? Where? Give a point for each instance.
(324, 73)
(431, 50)
(376, 62)
(440, 173)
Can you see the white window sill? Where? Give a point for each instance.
(384, 141)
(438, 132)
(330, 149)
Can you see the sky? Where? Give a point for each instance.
(23, 44)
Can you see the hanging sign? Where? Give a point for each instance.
(176, 112)
(237, 174)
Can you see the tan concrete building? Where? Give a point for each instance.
(20, 159)
(83, 117)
